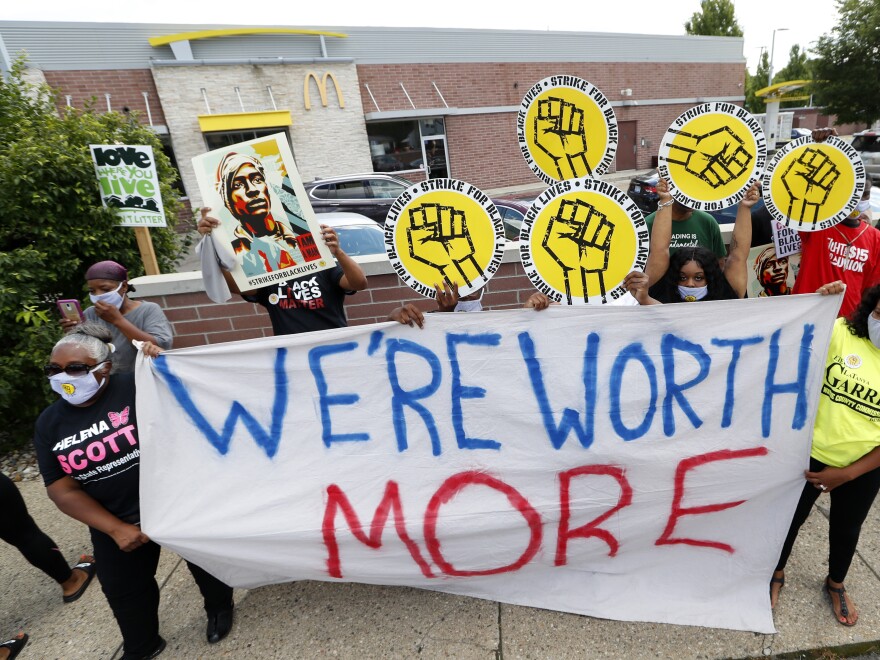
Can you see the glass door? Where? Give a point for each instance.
(436, 160)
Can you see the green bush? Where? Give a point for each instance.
(53, 227)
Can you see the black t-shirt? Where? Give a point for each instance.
(304, 304)
(97, 445)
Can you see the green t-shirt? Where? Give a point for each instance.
(699, 230)
(848, 418)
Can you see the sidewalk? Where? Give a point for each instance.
(321, 620)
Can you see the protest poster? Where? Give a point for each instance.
(607, 462)
(580, 239)
(810, 186)
(786, 241)
(129, 183)
(711, 154)
(444, 231)
(566, 129)
(770, 274)
(255, 190)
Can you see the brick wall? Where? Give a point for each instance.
(125, 86)
(198, 321)
(483, 148)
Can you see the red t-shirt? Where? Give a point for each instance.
(850, 254)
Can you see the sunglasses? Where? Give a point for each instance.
(75, 369)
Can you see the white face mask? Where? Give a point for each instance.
(874, 330)
(111, 297)
(76, 389)
(692, 293)
(863, 206)
(469, 306)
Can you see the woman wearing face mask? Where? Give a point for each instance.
(88, 452)
(127, 319)
(845, 457)
(692, 273)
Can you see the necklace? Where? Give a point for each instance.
(849, 242)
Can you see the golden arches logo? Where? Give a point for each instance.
(322, 89)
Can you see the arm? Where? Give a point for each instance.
(661, 235)
(637, 284)
(736, 267)
(155, 332)
(832, 477)
(408, 314)
(72, 500)
(353, 277)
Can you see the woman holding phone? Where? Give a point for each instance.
(126, 319)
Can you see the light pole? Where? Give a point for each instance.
(772, 48)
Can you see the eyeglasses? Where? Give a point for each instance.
(75, 369)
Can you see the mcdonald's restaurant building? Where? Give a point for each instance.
(414, 101)
(432, 102)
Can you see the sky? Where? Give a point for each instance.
(758, 18)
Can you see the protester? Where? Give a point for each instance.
(97, 484)
(447, 301)
(693, 273)
(845, 456)
(848, 251)
(634, 283)
(127, 320)
(307, 303)
(12, 647)
(18, 529)
(691, 228)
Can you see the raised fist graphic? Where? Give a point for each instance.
(559, 133)
(438, 237)
(808, 181)
(716, 158)
(580, 226)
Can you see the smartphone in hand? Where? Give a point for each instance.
(71, 310)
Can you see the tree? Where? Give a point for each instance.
(847, 68)
(754, 104)
(53, 228)
(715, 19)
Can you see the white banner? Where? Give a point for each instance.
(635, 463)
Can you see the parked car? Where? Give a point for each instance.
(643, 191)
(387, 163)
(358, 235)
(800, 132)
(512, 212)
(728, 215)
(867, 143)
(368, 194)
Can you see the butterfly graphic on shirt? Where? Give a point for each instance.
(120, 418)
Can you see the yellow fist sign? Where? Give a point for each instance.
(566, 129)
(444, 230)
(811, 186)
(580, 239)
(711, 155)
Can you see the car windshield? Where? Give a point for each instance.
(866, 143)
(361, 240)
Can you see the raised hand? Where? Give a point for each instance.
(580, 226)
(716, 158)
(438, 237)
(808, 182)
(560, 133)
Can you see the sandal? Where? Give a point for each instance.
(15, 645)
(89, 568)
(844, 609)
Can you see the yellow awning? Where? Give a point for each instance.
(238, 121)
(235, 32)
